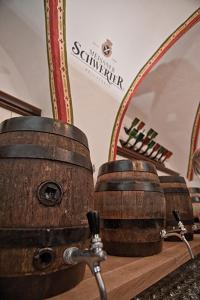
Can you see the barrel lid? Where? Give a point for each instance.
(194, 190)
(43, 124)
(124, 165)
(165, 179)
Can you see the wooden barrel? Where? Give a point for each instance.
(46, 186)
(131, 206)
(43, 131)
(177, 198)
(195, 197)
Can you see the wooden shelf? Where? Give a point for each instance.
(126, 277)
(122, 151)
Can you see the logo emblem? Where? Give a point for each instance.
(107, 48)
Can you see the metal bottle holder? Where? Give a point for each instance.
(92, 256)
(180, 233)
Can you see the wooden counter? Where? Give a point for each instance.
(125, 277)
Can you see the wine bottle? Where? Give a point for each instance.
(149, 146)
(163, 154)
(155, 148)
(160, 150)
(132, 135)
(151, 134)
(168, 155)
(140, 126)
(122, 142)
(133, 124)
(139, 138)
(154, 134)
(145, 142)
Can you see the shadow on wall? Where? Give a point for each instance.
(167, 100)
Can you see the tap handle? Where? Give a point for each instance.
(176, 215)
(94, 221)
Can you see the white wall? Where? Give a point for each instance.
(7, 114)
(23, 54)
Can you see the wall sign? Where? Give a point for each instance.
(97, 64)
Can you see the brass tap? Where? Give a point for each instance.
(92, 256)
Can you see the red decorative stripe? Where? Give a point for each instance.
(55, 50)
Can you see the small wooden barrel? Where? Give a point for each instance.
(195, 197)
(46, 186)
(131, 206)
(177, 198)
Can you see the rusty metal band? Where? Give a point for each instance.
(172, 179)
(41, 237)
(175, 223)
(175, 191)
(125, 165)
(43, 124)
(195, 199)
(127, 186)
(49, 153)
(194, 191)
(129, 224)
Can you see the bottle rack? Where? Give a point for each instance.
(131, 154)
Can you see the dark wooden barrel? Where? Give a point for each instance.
(46, 186)
(131, 206)
(43, 131)
(195, 197)
(177, 198)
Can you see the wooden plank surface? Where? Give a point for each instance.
(126, 277)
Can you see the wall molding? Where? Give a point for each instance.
(18, 106)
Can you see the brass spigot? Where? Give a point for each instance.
(92, 256)
(180, 233)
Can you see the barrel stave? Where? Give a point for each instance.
(20, 205)
(43, 139)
